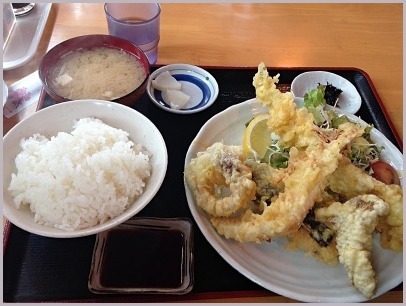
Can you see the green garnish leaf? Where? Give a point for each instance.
(315, 97)
(337, 121)
(367, 132)
(277, 156)
(318, 114)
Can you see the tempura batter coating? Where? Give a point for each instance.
(355, 221)
(304, 185)
(301, 240)
(294, 126)
(267, 180)
(220, 166)
(350, 181)
(311, 161)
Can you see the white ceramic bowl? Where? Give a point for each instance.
(53, 119)
(349, 100)
(196, 82)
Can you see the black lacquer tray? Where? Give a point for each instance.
(40, 269)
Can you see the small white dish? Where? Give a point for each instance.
(349, 100)
(196, 82)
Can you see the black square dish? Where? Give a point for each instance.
(144, 255)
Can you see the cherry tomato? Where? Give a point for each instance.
(385, 173)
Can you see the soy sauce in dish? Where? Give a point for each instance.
(143, 258)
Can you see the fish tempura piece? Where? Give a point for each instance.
(350, 181)
(355, 221)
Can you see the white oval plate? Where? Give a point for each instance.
(196, 82)
(349, 100)
(291, 274)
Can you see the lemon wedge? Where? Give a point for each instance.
(257, 137)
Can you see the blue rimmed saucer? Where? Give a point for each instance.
(196, 82)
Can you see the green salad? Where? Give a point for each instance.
(362, 151)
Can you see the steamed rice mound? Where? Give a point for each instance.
(80, 179)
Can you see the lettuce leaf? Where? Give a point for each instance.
(315, 97)
(315, 102)
(318, 114)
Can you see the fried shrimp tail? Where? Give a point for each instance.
(355, 221)
(295, 126)
(221, 170)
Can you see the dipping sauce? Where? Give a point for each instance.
(143, 258)
(100, 73)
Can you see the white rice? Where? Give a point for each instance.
(80, 179)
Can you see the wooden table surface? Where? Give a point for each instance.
(364, 36)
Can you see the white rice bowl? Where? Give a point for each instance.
(119, 173)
